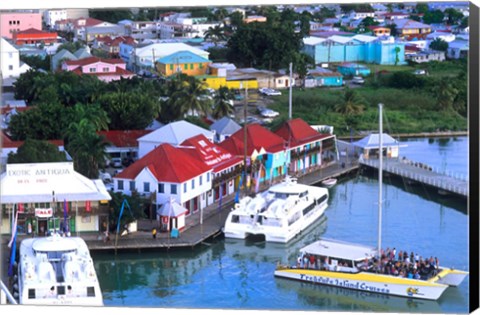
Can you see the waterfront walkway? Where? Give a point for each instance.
(417, 173)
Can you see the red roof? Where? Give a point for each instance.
(168, 164)
(9, 143)
(88, 22)
(297, 132)
(90, 60)
(118, 71)
(123, 138)
(258, 137)
(34, 31)
(210, 153)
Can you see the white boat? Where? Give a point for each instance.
(329, 182)
(358, 267)
(57, 270)
(277, 214)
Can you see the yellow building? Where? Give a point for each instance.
(183, 61)
(216, 82)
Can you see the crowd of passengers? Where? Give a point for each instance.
(399, 264)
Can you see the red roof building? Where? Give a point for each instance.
(211, 154)
(105, 69)
(35, 37)
(258, 138)
(296, 132)
(167, 164)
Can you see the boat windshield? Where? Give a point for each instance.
(282, 195)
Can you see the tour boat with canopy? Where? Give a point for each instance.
(57, 270)
(277, 214)
(359, 267)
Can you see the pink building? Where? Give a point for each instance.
(105, 69)
(18, 21)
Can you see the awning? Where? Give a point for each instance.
(171, 209)
(41, 182)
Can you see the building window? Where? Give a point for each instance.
(173, 189)
(185, 187)
(10, 67)
(146, 187)
(191, 66)
(200, 180)
(200, 65)
(120, 185)
(185, 66)
(132, 185)
(92, 70)
(208, 177)
(171, 67)
(161, 188)
(193, 183)
(106, 69)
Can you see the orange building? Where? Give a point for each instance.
(34, 36)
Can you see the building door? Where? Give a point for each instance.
(42, 227)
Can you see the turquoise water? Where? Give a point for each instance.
(239, 275)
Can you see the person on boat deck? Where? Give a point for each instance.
(312, 262)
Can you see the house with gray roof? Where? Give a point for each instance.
(174, 133)
(59, 57)
(224, 128)
(368, 147)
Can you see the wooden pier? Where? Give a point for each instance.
(417, 173)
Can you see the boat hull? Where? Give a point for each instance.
(368, 282)
(273, 234)
(451, 277)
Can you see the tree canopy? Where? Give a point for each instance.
(36, 151)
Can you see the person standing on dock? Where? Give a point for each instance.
(154, 233)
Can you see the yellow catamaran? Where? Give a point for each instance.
(353, 266)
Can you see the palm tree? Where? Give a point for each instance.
(222, 103)
(191, 97)
(215, 34)
(86, 147)
(352, 103)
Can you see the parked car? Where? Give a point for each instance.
(116, 162)
(358, 80)
(105, 177)
(420, 72)
(269, 92)
(269, 113)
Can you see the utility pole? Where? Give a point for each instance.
(290, 95)
(245, 103)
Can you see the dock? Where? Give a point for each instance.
(417, 173)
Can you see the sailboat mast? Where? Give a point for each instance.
(380, 177)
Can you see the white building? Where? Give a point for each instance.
(174, 133)
(43, 200)
(52, 16)
(11, 67)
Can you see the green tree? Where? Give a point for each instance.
(191, 98)
(431, 17)
(439, 44)
(397, 58)
(112, 16)
(216, 34)
(236, 20)
(421, 8)
(351, 104)
(37, 62)
(134, 212)
(129, 110)
(28, 86)
(453, 16)
(86, 147)
(445, 93)
(36, 151)
(222, 105)
(46, 121)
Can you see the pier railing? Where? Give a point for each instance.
(444, 181)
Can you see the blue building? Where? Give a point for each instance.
(353, 69)
(323, 77)
(358, 48)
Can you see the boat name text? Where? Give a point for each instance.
(344, 283)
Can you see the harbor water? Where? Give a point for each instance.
(237, 274)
